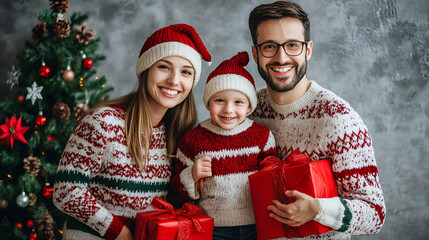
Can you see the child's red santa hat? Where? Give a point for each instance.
(175, 40)
(231, 75)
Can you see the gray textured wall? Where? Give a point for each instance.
(375, 54)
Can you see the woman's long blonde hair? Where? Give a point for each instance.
(138, 125)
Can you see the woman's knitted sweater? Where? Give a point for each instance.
(98, 182)
(235, 154)
(322, 125)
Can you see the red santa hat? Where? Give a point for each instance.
(175, 40)
(231, 75)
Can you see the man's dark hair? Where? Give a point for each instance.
(277, 10)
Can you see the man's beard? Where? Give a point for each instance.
(269, 80)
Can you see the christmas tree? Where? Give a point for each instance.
(55, 84)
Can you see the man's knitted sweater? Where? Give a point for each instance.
(235, 154)
(322, 125)
(98, 182)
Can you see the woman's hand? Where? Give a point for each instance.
(125, 234)
(304, 209)
(202, 168)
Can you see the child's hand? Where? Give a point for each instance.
(202, 168)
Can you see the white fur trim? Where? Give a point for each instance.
(166, 49)
(230, 82)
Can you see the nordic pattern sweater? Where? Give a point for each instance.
(235, 154)
(322, 125)
(98, 182)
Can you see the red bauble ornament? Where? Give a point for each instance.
(30, 223)
(52, 139)
(44, 71)
(40, 120)
(87, 63)
(18, 225)
(33, 236)
(20, 99)
(47, 190)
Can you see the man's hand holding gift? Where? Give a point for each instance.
(295, 214)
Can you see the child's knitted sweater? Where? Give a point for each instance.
(235, 154)
(322, 125)
(99, 183)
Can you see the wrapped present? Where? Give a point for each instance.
(187, 223)
(297, 172)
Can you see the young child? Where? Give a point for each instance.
(223, 150)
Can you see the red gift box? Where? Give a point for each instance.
(297, 172)
(187, 223)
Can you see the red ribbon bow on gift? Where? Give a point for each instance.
(184, 216)
(280, 181)
(278, 166)
(294, 158)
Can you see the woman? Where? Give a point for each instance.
(115, 162)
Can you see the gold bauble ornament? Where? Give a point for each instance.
(68, 75)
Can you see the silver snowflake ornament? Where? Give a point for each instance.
(13, 76)
(34, 93)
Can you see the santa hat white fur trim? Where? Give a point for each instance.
(230, 82)
(167, 49)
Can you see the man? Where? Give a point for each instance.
(303, 115)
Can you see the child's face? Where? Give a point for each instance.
(228, 108)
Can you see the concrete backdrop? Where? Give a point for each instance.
(373, 53)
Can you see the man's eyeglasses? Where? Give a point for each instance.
(291, 48)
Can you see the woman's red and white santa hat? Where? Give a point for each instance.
(175, 40)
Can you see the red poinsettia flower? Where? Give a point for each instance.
(12, 130)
